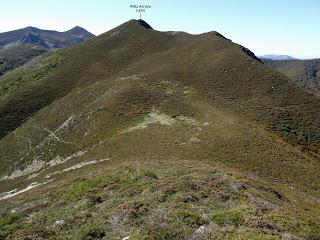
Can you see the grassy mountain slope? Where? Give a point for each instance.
(17, 56)
(19, 46)
(157, 135)
(304, 72)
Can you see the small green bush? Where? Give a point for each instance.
(9, 219)
(191, 217)
(150, 174)
(232, 216)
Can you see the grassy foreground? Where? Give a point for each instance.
(184, 200)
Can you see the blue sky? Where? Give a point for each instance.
(265, 26)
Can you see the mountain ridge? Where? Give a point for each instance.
(136, 24)
(19, 46)
(305, 72)
(137, 125)
(15, 35)
(276, 57)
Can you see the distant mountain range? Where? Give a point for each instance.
(305, 72)
(276, 57)
(19, 46)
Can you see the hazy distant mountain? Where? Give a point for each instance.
(44, 38)
(19, 46)
(305, 72)
(276, 57)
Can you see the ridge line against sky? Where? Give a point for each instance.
(287, 27)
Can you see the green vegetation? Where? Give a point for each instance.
(16, 56)
(230, 216)
(128, 202)
(9, 224)
(15, 98)
(20, 46)
(183, 137)
(191, 217)
(29, 74)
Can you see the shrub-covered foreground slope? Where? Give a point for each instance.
(154, 135)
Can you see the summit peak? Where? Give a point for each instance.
(144, 24)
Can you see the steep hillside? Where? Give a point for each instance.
(19, 46)
(157, 135)
(305, 72)
(17, 56)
